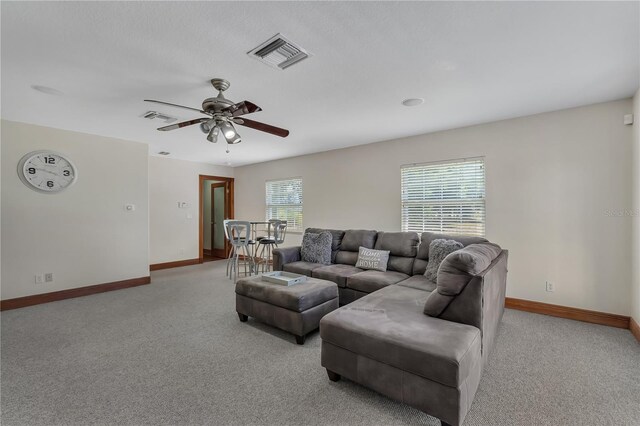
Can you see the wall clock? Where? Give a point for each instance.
(47, 171)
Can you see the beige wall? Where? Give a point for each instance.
(83, 235)
(174, 231)
(552, 182)
(636, 209)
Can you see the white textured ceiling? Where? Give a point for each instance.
(471, 62)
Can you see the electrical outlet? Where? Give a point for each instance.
(550, 287)
(39, 278)
(48, 277)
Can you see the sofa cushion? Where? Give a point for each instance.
(355, 238)
(300, 267)
(456, 272)
(316, 248)
(403, 247)
(419, 282)
(420, 264)
(336, 273)
(403, 244)
(370, 281)
(372, 259)
(346, 257)
(438, 250)
(336, 239)
(388, 326)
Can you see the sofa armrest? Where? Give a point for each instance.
(282, 256)
(472, 296)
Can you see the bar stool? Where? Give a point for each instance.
(279, 234)
(269, 223)
(238, 233)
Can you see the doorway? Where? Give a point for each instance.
(216, 205)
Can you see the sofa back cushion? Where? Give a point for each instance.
(456, 271)
(336, 239)
(422, 258)
(351, 242)
(402, 247)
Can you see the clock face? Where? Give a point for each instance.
(46, 171)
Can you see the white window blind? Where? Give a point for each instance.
(284, 202)
(446, 197)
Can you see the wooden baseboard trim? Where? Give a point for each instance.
(174, 264)
(595, 317)
(635, 328)
(37, 299)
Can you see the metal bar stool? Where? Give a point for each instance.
(279, 234)
(239, 235)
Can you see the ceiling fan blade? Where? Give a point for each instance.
(176, 105)
(183, 124)
(242, 108)
(283, 133)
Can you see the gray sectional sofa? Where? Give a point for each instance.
(420, 342)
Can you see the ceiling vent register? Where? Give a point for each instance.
(279, 52)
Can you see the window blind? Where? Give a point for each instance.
(284, 202)
(445, 197)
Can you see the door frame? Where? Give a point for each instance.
(229, 208)
(214, 251)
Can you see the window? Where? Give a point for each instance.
(284, 202)
(445, 197)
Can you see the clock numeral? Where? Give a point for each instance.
(66, 173)
(32, 170)
(49, 160)
(50, 183)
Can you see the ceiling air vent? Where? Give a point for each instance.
(279, 52)
(155, 115)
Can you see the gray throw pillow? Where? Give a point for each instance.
(372, 259)
(316, 248)
(438, 250)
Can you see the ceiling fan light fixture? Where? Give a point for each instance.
(229, 133)
(213, 134)
(205, 127)
(227, 129)
(234, 140)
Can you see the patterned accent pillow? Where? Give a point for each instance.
(316, 248)
(438, 250)
(372, 259)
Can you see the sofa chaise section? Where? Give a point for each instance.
(385, 342)
(424, 348)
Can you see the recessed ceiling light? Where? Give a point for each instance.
(47, 90)
(413, 102)
(446, 65)
(164, 153)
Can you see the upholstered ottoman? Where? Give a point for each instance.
(296, 309)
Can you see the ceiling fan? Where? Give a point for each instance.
(222, 115)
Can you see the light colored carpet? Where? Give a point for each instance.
(174, 352)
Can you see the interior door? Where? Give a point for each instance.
(219, 212)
